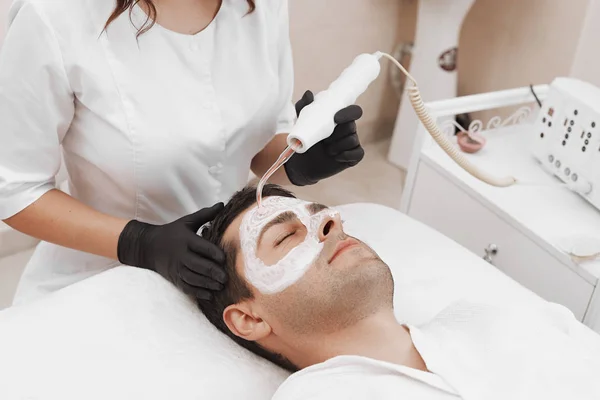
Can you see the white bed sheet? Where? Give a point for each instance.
(128, 334)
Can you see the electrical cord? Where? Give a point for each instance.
(419, 106)
(537, 99)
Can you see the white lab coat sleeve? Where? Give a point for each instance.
(287, 113)
(36, 108)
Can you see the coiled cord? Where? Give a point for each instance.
(419, 106)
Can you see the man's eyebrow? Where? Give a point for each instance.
(280, 219)
(314, 208)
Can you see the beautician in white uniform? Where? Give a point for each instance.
(160, 109)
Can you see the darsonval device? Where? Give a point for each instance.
(567, 136)
(316, 121)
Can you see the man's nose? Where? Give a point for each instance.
(331, 225)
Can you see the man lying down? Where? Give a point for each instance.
(311, 299)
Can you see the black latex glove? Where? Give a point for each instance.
(331, 155)
(176, 252)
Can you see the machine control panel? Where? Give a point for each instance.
(566, 138)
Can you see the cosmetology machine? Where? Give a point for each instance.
(567, 136)
(316, 121)
(567, 128)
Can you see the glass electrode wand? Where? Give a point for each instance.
(283, 158)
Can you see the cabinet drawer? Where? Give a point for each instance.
(447, 208)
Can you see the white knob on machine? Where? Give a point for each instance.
(580, 185)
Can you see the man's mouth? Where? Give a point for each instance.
(341, 247)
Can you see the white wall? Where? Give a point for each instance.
(586, 65)
(512, 43)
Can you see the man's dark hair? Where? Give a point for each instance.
(236, 289)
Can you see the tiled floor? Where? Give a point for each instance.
(374, 180)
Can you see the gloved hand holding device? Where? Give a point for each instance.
(177, 252)
(330, 156)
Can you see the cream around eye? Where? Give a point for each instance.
(290, 268)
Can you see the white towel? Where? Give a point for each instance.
(475, 352)
(489, 352)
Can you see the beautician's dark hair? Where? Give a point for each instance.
(236, 289)
(127, 5)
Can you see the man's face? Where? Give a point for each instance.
(306, 274)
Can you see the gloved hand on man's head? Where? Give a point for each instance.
(177, 252)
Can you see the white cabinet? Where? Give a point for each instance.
(519, 228)
(450, 210)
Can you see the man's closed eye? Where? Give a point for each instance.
(284, 237)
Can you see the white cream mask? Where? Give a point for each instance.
(269, 279)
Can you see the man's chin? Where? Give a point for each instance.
(361, 269)
(362, 288)
(332, 296)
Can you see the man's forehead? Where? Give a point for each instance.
(271, 207)
(276, 202)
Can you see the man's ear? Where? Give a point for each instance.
(240, 320)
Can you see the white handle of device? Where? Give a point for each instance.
(315, 122)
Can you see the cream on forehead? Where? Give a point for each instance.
(276, 278)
